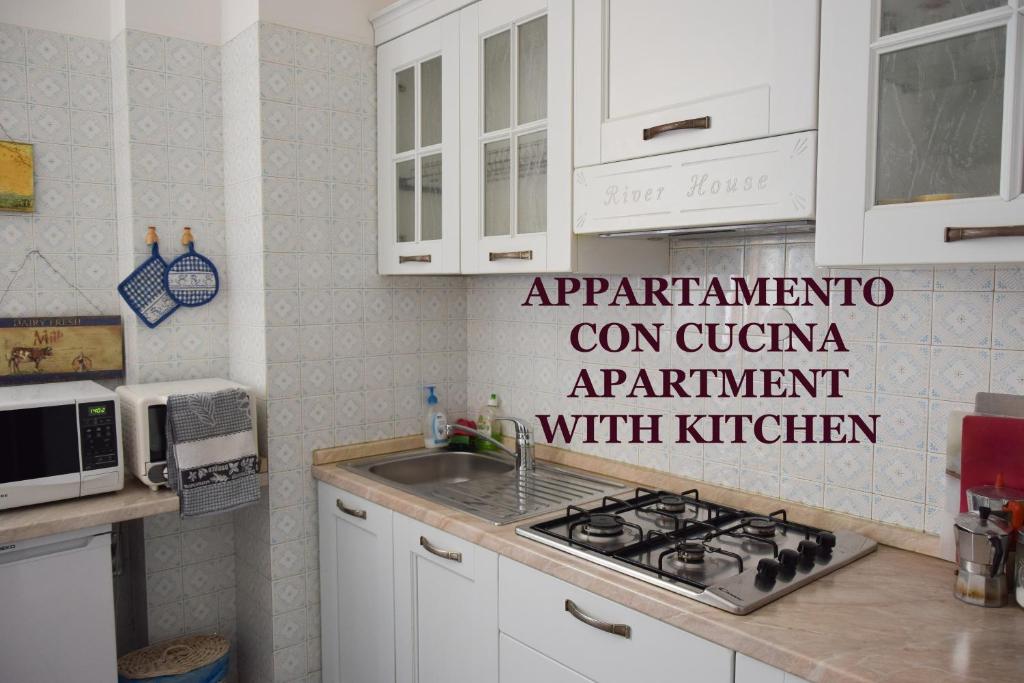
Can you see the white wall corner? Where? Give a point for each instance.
(195, 20)
(90, 18)
(348, 19)
(236, 16)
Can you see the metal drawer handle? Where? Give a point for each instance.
(519, 255)
(959, 234)
(452, 555)
(685, 124)
(422, 258)
(361, 514)
(615, 629)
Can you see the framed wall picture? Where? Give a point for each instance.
(17, 185)
(58, 349)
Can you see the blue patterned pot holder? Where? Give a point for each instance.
(144, 290)
(191, 279)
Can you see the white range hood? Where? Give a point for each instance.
(756, 186)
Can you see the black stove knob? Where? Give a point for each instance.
(826, 541)
(767, 570)
(788, 559)
(808, 551)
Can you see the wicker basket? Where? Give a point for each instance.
(173, 657)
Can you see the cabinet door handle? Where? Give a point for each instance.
(421, 258)
(361, 514)
(960, 234)
(685, 124)
(615, 629)
(518, 255)
(452, 555)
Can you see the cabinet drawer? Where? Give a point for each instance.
(532, 608)
(749, 670)
(521, 664)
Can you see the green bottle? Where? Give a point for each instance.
(486, 424)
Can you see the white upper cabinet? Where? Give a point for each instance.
(920, 137)
(657, 76)
(418, 151)
(516, 136)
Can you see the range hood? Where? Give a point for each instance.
(701, 231)
(762, 186)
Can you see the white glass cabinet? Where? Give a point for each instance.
(930, 171)
(418, 150)
(516, 136)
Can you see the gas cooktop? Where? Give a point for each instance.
(725, 557)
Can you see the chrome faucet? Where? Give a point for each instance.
(523, 454)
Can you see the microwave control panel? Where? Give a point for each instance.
(97, 424)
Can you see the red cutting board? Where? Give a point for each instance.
(991, 446)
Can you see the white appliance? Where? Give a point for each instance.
(60, 440)
(144, 415)
(57, 608)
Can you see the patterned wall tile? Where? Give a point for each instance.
(945, 336)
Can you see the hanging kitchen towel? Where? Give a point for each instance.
(144, 290)
(212, 462)
(191, 279)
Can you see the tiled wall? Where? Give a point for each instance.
(169, 171)
(949, 333)
(247, 337)
(141, 114)
(167, 129)
(55, 93)
(347, 350)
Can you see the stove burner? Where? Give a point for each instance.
(603, 525)
(690, 553)
(761, 527)
(671, 503)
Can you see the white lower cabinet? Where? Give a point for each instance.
(404, 601)
(517, 662)
(749, 670)
(357, 612)
(601, 640)
(446, 607)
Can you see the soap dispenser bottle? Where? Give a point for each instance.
(434, 423)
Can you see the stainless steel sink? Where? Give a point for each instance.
(439, 467)
(483, 484)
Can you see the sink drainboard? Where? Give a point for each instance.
(508, 498)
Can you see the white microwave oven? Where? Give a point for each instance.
(144, 413)
(57, 441)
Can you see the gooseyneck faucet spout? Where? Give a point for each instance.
(523, 454)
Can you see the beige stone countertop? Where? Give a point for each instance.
(133, 501)
(890, 616)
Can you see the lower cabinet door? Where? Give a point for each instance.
(749, 670)
(446, 607)
(602, 640)
(521, 664)
(356, 589)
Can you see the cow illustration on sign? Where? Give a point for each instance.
(27, 354)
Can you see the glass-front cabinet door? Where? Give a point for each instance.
(931, 170)
(418, 149)
(516, 136)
